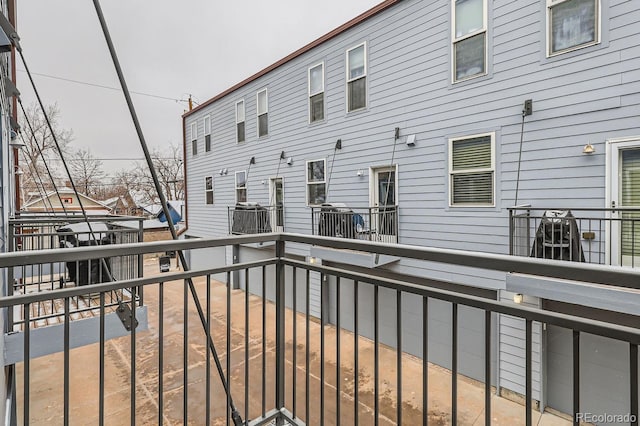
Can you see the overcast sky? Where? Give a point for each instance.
(166, 48)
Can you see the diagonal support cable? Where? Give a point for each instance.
(237, 420)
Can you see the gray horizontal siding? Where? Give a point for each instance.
(586, 96)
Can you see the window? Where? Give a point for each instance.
(472, 170)
(469, 39)
(572, 24)
(207, 134)
(208, 189)
(194, 138)
(263, 113)
(240, 121)
(316, 93)
(316, 183)
(241, 187)
(357, 78)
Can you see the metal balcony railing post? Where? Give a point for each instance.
(280, 326)
(511, 232)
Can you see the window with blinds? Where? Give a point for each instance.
(471, 171)
(630, 197)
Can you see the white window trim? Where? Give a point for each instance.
(194, 131)
(258, 113)
(550, 4)
(491, 169)
(207, 123)
(236, 187)
(455, 40)
(307, 183)
(348, 80)
(207, 119)
(315, 93)
(244, 110)
(213, 199)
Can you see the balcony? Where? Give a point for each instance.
(252, 218)
(45, 320)
(600, 236)
(267, 353)
(364, 223)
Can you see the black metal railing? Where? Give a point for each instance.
(365, 223)
(252, 346)
(30, 233)
(606, 236)
(252, 218)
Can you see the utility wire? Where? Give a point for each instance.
(66, 167)
(235, 414)
(102, 86)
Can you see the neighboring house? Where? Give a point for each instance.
(413, 115)
(65, 200)
(123, 205)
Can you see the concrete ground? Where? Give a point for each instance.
(46, 396)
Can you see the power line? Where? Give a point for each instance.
(114, 159)
(101, 86)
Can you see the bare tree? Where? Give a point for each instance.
(168, 166)
(86, 172)
(40, 147)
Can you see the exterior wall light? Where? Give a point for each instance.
(518, 298)
(588, 149)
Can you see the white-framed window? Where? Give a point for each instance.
(240, 121)
(241, 187)
(316, 182)
(207, 133)
(262, 111)
(208, 190)
(316, 93)
(194, 138)
(469, 38)
(357, 77)
(572, 24)
(472, 170)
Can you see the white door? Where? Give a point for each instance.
(276, 204)
(623, 191)
(384, 197)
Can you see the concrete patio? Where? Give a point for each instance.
(47, 373)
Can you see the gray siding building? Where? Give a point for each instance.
(412, 118)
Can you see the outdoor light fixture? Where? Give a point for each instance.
(360, 173)
(290, 160)
(518, 298)
(10, 89)
(411, 140)
(223, 172)
(17, 171)
(588, 149)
